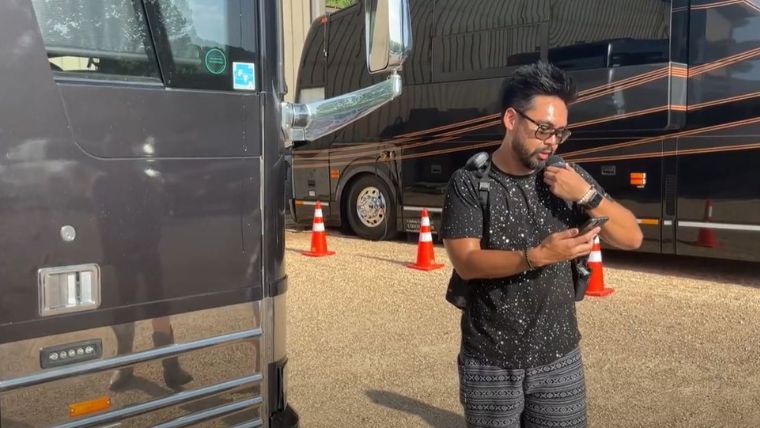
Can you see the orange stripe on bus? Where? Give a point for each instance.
(649, 221)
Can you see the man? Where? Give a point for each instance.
(520, 363)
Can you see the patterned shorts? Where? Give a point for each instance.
(553, 395)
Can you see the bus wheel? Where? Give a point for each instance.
(371, 209)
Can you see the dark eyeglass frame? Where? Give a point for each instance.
(544, 132)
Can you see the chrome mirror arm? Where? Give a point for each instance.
(307, 122)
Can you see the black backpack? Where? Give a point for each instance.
(458, 290)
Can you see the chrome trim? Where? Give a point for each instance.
(266, 352)
(312, 203)
(432, 210)
(161, 403)
(211, 413)
(721, 226)
(307, 122)
(123, 361)
(251, 424)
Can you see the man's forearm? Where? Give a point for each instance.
(622, 230)
(485, 264)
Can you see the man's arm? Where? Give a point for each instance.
(622, 230)
(471, 262)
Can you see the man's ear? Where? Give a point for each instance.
(509, 118)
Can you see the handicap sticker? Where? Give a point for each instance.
(243, 76)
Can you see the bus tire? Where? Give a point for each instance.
(371, 209)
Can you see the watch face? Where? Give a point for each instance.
(596, 200)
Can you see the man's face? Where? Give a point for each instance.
(534, 148)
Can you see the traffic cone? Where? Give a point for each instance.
(425, 253)
(706, 237)
(318, 235)
(596, 281)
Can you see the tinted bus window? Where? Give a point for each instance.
(199, 40)
(609, 33)
(486, 38)
(104, 38)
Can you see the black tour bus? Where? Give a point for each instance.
(668, 118)
(143, 161)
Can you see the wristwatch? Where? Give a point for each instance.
(594, 201)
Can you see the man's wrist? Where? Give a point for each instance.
(533, 258)
(587, 196)
(593, 201)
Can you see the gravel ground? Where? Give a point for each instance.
(373, 343)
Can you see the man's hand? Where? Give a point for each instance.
(565, 183)
(561, 246)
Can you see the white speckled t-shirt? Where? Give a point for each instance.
(528, 319)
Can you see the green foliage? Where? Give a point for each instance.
(339, 3)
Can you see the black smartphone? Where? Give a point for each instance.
(592, 223)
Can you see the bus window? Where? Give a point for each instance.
(610, 33)
(199, 40)
(97, 39)
(485, 39)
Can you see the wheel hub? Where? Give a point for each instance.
(370, 207)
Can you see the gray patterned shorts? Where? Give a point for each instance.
(553, 395)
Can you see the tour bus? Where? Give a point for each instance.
(144, 147)
(667, 117)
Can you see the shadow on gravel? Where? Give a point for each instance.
(382, 259)
(434, 416)
(722, 271)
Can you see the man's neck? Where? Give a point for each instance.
(507, 160)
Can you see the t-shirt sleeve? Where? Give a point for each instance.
(462, 215)
(580, 213)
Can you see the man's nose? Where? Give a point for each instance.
(553, 140)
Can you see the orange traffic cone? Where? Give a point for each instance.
(706, 237)
(425, 253)
(596, 282)
(318, 235)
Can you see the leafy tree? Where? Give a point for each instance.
(340, 4)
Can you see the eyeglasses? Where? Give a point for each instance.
(544, 131)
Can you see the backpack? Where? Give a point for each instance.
(459, 290)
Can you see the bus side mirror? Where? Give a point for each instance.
(388, 41)
(387, 34)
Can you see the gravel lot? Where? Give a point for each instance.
(373, 343)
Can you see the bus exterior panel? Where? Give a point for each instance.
(665, 120)
(132, 182)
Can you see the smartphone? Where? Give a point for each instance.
(592, 223)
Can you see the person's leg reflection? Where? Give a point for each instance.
(125, 335)
(163, 335)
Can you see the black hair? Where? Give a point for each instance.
(531, 80)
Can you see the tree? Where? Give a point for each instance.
(340, 4)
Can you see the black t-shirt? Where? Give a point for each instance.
(528, 319)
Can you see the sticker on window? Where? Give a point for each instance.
(243, 76)
(215, 61)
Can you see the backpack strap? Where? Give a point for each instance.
(459, 290)
(480, 165)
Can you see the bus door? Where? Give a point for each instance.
(134, 271)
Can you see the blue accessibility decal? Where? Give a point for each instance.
(243, 76)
